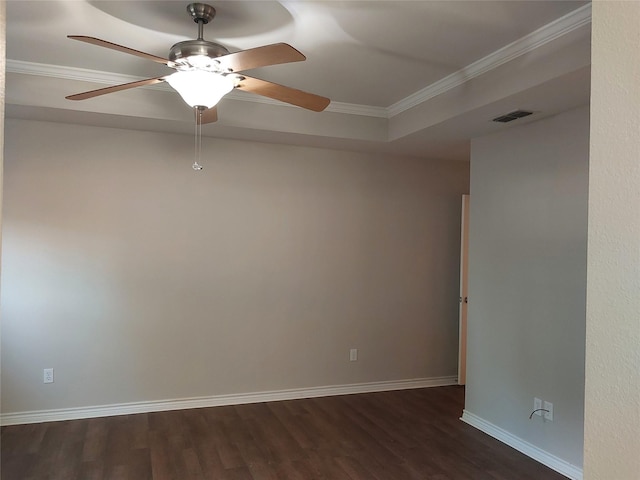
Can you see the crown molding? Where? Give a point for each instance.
(334, 107)
(72, 73)
(549, 32)
(107, 78)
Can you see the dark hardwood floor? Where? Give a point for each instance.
(409, 434)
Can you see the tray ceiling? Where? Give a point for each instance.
(416, 78)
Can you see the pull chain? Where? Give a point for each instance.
(198, 138)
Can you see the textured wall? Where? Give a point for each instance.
(612, 398)
(527, 280)
(139, 279)
(3, 61)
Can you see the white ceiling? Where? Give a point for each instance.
(416, 77)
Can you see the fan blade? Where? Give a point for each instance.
(284, 94)
(120, 48)
(260, 57)
(115, 88)
(209, 115)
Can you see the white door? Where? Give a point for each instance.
(464, 295)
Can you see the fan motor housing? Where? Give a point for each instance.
(188, 48)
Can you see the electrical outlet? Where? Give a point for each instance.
(537, 405)
(548, 415)
(48, 375)
(353, 354)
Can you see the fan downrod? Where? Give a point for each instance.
(181, 51)
(201, 12)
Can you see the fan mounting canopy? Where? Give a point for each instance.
(201, 12)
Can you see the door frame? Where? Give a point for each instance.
(464, 294)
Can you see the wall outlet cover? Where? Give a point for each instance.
(537, 405)
(548, 415)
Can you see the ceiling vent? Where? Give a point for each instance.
(510, 117)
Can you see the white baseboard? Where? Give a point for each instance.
(551, 461)
(40, 416)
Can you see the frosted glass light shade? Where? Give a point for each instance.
(199, 88)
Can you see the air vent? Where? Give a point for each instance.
(510, 117)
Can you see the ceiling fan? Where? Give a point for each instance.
(206, 71)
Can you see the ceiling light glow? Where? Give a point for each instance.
(199, 88)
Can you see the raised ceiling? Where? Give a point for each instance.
(417, 78)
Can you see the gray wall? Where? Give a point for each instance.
(139, 279)
(527, 280)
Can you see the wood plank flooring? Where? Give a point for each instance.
(409, 434)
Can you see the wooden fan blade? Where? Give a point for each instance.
(284, 94)
(115, 88)
(209, 115)
(120, 48)
(260, 57)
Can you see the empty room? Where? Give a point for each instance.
(320, 240)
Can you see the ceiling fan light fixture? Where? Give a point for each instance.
(198, 62)
(190, 53)
(206, 71)
(203, 62)
(200, 88)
